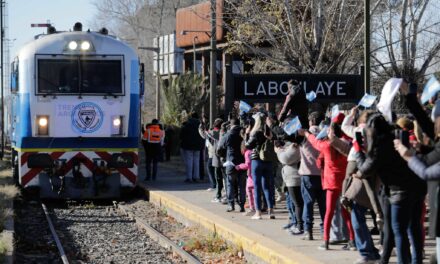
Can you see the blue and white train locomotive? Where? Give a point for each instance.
(74, 115)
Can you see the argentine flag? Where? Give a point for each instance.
(430, 89)
(244, 107)
(335, 111)
(311, 96)
(367, 100)
(292, 126)
(323, 133)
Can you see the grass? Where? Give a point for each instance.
(90, 205)
(7, 192)
(211, 243)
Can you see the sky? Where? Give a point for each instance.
(63, 14)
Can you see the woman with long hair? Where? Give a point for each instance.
(406, 191)
(261, 169)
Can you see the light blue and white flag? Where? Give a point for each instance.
(335, 111)
(323, 133)
(292, 126)
(431, 88)
(311, 96)
(389, 91)
(367, 100)
(244, 107)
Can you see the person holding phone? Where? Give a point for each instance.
(262, 170)
(431, 156)
(406, 191)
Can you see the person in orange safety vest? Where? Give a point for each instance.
(152, 140)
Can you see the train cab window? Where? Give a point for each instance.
(101, 77)
(58, 76)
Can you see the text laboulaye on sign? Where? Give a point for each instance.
(274, 87)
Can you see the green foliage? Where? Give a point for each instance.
(211, 243)
(3, 250)
(182, 95)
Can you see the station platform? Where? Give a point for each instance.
(263, 241)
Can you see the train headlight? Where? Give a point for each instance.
(79, 45)
(116, 122)
(42, 125)
(85, 45)
(73, 45)
(117, 125)
(42, 122)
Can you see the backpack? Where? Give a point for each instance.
(267, 151)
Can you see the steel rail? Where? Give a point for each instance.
(159, 237)
(55, 236)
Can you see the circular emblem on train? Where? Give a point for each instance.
(87, 117)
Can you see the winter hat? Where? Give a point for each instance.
(338, 119)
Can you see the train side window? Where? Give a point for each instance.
(142, 79)
(14, 76)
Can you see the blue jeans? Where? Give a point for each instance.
(262, 174)
(219, 181)
(406, 222)
(236, 180)
(311, 190)
(364, 242)
(211, 174)
(192, 163)
(290, 209)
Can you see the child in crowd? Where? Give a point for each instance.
(249, 182)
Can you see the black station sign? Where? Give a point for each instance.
(273, 87)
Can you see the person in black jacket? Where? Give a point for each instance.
(231, 142)
(429, 156)
(296, 104)
(191, 143)
(406, 190)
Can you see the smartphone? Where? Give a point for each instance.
(359, 138)
(404, 138)
(397, 134)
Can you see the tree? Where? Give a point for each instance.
(315, 36)
(406, 36)
(182, 94)
(138, 22)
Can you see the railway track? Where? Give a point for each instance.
(87, 233)
(159, 237)
(55, 235)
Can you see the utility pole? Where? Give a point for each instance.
(157, 50)
(194, 55)
(158, 80)
(3, 79)
(213, 62)
(367, 87)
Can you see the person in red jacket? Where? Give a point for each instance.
(335, 165)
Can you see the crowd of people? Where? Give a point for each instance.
(349, 164)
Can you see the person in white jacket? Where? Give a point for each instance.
(289, 156)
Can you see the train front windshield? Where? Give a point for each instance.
(79, 76)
